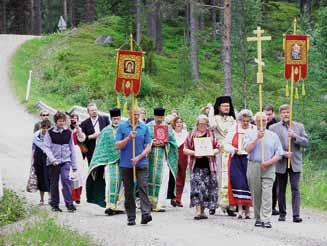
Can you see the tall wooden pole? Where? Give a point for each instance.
(291, 103)
(133, 106)
(259, 38)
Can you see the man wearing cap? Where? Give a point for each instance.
(162, 163)
(115, 116)
(104, 185)
(222, 120)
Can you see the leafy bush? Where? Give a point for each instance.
(12, 207)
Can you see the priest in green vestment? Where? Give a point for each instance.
(163, 161)
(103, 184)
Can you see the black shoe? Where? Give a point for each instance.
(275, 212)
(146, 219)
(56, 209)
(297, 219)
(203, 217)
(178, 204)
(258, 223)
(231, 213)
(282, 218)
(109, 212)
(197, 217)
(173, 202)
(78, 202)
(212, 211)
(131, 223)
(267, 225)
(71, 208)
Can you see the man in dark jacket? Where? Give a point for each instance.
(92, 127)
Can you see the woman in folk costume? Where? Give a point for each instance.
(180, 135)
(222, 120)
(238, 190)
(204, 193)
(77, 179)
(103, 184)
(40, 170)
(163, 161)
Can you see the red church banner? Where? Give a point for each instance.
(129, 70)
(296, 56)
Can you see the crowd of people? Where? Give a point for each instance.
(236, 161)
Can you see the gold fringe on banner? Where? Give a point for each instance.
(303, 89)
(296, 93)
(118, 101)
(125, 110)
(143, 62)
(117, 58)
(287, 92)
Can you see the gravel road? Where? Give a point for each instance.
(175, 227)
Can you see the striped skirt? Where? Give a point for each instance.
(238, 190)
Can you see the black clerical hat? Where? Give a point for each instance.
(159, 111)
(114, 112)
(224, 99)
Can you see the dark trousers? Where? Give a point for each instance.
(274, 195)
(62, 171)
(171, 186)
(282, 180)
(142, 175)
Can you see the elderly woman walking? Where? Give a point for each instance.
(238, 190)
(203, 169)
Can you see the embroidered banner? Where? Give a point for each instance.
(296, 56)
(129, 70)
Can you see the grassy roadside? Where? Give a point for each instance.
(38, 227)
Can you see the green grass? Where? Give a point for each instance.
(314, 187)
(45, 231)
(12, 208)
(40, 229)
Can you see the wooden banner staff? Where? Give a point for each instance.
(259, 38)
(291, 102)
(132, 111)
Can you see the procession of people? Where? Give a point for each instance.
(236, 160)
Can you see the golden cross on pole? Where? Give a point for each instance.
(259, 38)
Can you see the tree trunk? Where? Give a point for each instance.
(90, 10)
(227, 48)
(188, 24)
(65, 10)
(32, 22)
(201, 20)
(73, 12)
(214, 20)
(194, 44)
(138, 22)
(37, 30)
(151, 21)
(3, 17)
(158, 25)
